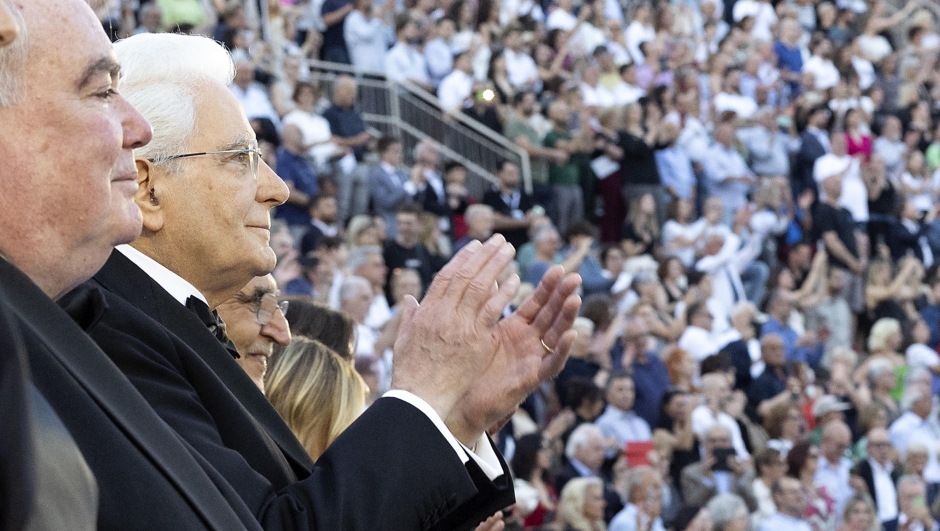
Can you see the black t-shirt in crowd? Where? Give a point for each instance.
(417, 258)
(515, 206)
(828, 218)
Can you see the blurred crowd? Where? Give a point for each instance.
(747, 188)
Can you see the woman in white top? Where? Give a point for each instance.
(316, 130)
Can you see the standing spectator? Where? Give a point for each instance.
(295, 169)
(649, 373)
(814, 143)
(789, 55)
(389, 186)
(523, 74)
(367, 263)
(638, 142)
(367, 34)
(729, 178)
(345, 121)
(716, 390)
(769, 149)
(914, 426)
(513, 208)
(801, 348)
(564, 177)
(520, 131)
(891, 147)
(771, 389)
(834, 224)
(456, 88)
(833, 470)
(825, 74)
(585, 452)
(403, 62)
(404, 249)
(619, 420)
(675, 166)
(334, 13)
(839, 163)
(317, 134)
(880, 477)
(480, 222)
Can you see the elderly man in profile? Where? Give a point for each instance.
(205, 199)
(254, 322)
(67, 195)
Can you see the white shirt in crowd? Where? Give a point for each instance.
(367, 41)
(404, 62)
(316, 132)
(454, 90)
(781, 522)
(703, 419)
(825, 74)
(597, 96)
(909, 428)
(763, 15)
(625, 93)
(854, 192)
(560, 19)
(743, 106)
(722, 164)
(835, 478)
(256, 103)
(635, 35)
(520, 68)
(886, 495)
(625, 426)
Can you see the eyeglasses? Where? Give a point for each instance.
(253, 153)
(266, 308)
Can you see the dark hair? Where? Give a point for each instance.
(665, 422)
(765, 457)
(797, 457)
(402, 20)
(516, 100)
(410, 208)
(606, 249)
(451, 165)
(618, 374)
(315, 321)
(663, 268)
(692, 310)
(598, 308)
(694, 277)
(301, 85)
(315, 200)
(582, 228)
(580, 389)
(626, 66)
(501, 165)
(527, 454)
(720, 362)
(386, 142)
(330, 243)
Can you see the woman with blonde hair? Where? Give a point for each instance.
(582, 504)
(316, 392)
(884, 343)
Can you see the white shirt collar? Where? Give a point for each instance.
(174, 284)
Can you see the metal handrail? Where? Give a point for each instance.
(431, 104)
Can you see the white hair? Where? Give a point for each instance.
(476, 211)
(725, 508)
(13, 58)
(583, 322)
(580, 437)
(357, 256)
(160, 77)
(912, 395)
(351, 287)
(877, 367)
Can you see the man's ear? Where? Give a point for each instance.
(149, 192)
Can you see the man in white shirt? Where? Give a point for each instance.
(619, 420)
(368, 36)
(561, 17)
(697, 339)
(403, 62)
(251, 95)
(791, 507)
(833, 469)
(594, 94)
(729, 177)
(762, 12)
(880, 475)
(716, 389)
(838, 162)
(726, 258)
(731, 99)
(456, 88)
(627, 91)
(914, 425)
(520, 67)
(825, 73)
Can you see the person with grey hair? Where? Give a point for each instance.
(880, 476)
(368, 262)
(432, 196)
(791, 507)
(768, 147)
(914, 425)
(881, 380)
(207, 216)
(703, 480)
(728, 512)
(585, 452)
(914, 514)
(480, 222)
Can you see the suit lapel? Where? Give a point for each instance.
(114, 394)
(125, 279)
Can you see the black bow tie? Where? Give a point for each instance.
(212, 321)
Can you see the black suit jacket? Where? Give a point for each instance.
(614, 503)
(864, 470)
(810, 150)
(197, 388)
(902, 241)
(148, 478)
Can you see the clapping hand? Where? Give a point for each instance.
(454, 352)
